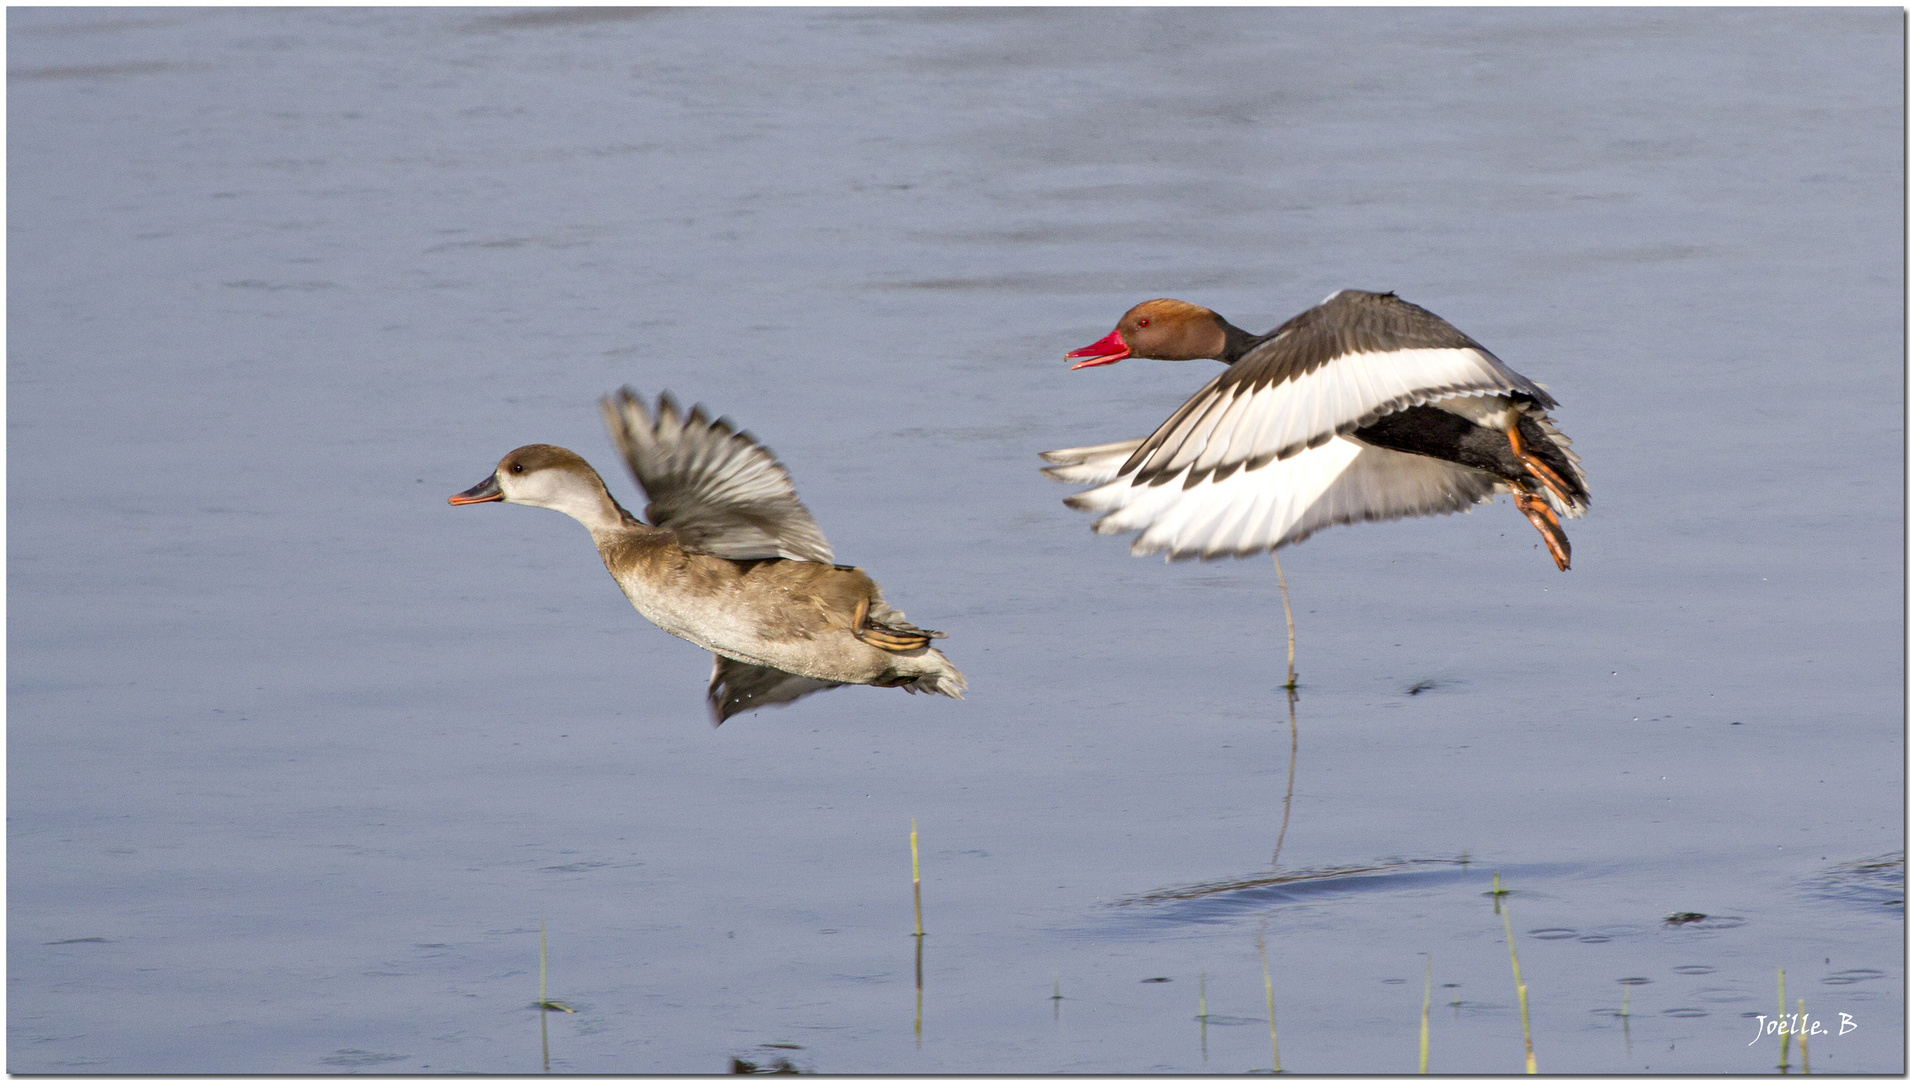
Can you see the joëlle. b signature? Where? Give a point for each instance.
(1800, 1024)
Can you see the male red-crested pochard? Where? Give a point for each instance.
(730, 559)
(1365, 408)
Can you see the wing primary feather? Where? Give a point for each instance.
(715, 487)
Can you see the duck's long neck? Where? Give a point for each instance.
(617, 519)
(1238, 341)
(611, 517)
(592, 505)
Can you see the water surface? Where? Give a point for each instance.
(300, 757)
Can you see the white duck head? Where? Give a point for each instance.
(551, 477)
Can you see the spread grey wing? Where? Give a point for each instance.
(1325, 372)
(719, 490)
(736, 687)
(1382, 485)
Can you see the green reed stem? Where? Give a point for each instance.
(1425, 1020)
(1525, 1016)
(1273, 1033)
(1784, 1036)
(1803, 1037)
(544, 1003)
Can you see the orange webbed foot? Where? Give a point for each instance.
(1539, 513)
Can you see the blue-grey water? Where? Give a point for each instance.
(300, 757)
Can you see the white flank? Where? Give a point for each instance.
(1283, 501)
(1493, 411)
(1237, 424)
(1249, 511)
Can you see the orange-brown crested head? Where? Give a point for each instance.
(1159, 330)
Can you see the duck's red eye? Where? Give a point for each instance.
(1143, 322)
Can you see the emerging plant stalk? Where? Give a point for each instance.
(1525, 1018)
(1292, 679)
(915, 864)
(1425, 1020)
(1272, 1032)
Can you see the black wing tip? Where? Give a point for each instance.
(1076, 502)
(615, 402)
(723, 700)
(625, 396)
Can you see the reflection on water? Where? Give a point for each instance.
(1876, 882)
(777, 1064)
(915, 865)
(544, 1005)
(770, 1057)
(1293, 753)
(576, 16)
(1203, 1016)
(1624, 1018)
(1266, 976)
(1293, 879)
(1290, 880)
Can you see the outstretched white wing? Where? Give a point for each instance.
(1280, 502)
(1089, 464)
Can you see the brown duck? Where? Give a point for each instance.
(730, 559)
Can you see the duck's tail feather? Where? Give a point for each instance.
(940, 677)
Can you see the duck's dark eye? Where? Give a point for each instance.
(517, 468)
